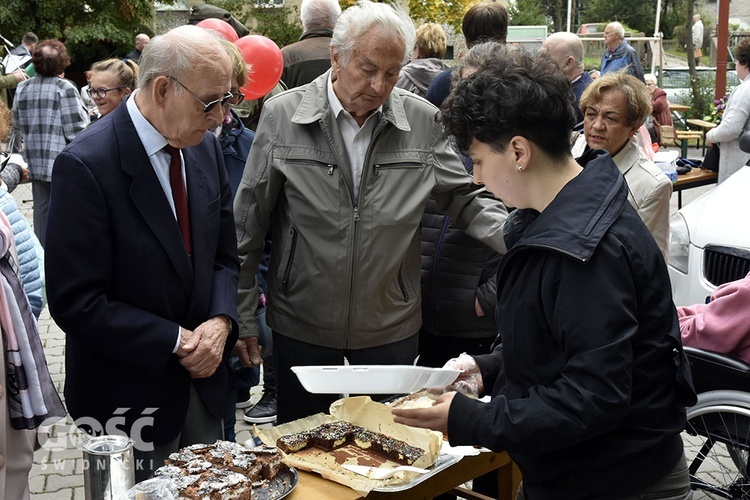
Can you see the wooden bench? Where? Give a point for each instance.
(685, 136)
(695, 178)
(672, 137)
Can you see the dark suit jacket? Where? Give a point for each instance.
(119, 280)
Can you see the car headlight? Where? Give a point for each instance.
(679, 243)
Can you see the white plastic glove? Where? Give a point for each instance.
(469, 381)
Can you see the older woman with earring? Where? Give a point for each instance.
(614, 107)
(588, 397)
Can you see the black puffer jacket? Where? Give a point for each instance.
(456, 270)
(590, 406)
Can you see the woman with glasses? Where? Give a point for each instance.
(111, 81)
(234, 137)
(235, 140)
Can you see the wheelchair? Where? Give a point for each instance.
(717, 434)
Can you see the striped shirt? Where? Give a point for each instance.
(48, 112)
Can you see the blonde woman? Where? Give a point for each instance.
(111, 81)
(426, 60)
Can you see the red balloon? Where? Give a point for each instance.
(221, 27)
(266, 64)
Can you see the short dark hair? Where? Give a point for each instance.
(30, 39)
(50, 58)
(743, 52)
(517, 94)
(485, 21)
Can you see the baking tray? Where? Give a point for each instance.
(443, 462)
(280, 486)
(372, 379)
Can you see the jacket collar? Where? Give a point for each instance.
(314, 105)
(577, 219)
(619, 50)
(628, 156)
(317, 33)
(231, 130)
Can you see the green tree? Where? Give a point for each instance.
(637, 14)
(92, 31)
(448, 12)
(280, 24)
(529, 13)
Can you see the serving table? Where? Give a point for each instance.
(313, 487)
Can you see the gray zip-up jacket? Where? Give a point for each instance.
(345, 273)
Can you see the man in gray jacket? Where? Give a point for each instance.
(340, 171)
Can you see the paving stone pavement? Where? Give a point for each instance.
(57, 473)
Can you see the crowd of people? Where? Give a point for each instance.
(500, 216)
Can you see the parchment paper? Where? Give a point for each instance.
(366, 413)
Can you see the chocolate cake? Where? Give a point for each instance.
(220, 471)
(332, 435)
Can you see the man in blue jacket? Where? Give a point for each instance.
(619, 53)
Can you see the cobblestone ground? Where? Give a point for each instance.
(58, 473)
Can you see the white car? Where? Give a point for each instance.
(709, 241)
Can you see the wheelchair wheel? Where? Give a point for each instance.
(717, 444)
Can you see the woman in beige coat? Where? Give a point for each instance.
(614, 107)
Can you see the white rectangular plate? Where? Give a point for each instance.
(372, 379)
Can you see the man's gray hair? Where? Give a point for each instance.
(178, 52)
(618, 29)
(319, 14)
(364, 15)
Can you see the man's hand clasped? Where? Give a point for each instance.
(200, 351)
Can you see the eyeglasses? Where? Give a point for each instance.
(237, 97)
(211, 105)
(101, 93)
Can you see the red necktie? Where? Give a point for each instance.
(179, 195)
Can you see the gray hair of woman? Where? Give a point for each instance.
(179, 51)
(364, 15)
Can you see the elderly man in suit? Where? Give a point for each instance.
(141, 255)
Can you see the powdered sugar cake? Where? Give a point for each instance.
(222, 470)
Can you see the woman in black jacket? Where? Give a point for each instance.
(459, 273)
(587, 396)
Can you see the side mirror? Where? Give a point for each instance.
(745, 142)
